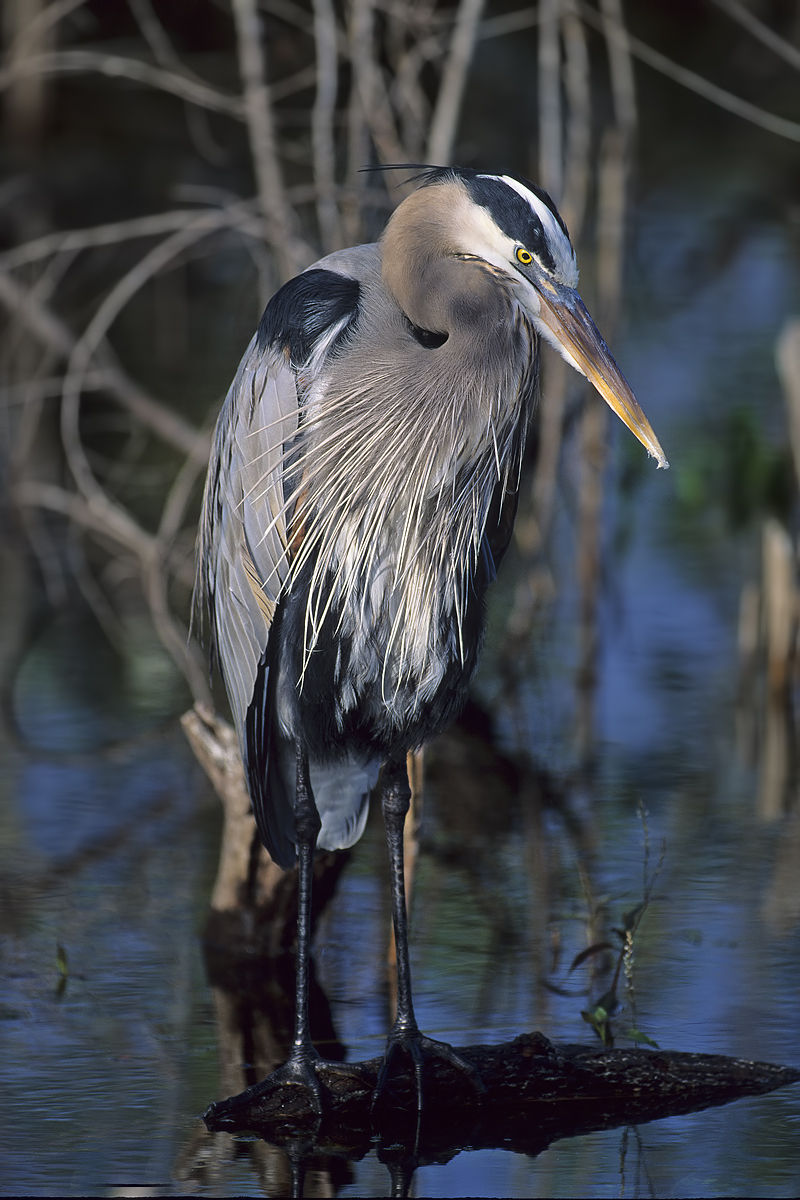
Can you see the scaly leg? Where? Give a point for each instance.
(405, 1034)
(304, 1061)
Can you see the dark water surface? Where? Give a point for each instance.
(110, 834)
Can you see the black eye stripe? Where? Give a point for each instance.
(513, 215)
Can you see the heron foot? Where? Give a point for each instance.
(421, 1049)
(304, 1069)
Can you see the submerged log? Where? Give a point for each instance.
(536, 1092)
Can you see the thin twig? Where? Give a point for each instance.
(164, 53)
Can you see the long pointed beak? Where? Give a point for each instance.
(574, 334)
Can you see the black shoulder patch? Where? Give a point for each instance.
(305, 308)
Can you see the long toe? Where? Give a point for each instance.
(292, 1090)
(422, 1051)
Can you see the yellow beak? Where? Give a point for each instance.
(575, 334)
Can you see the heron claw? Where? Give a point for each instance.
(304, 1069)
(419, 1048)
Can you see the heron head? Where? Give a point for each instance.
(513, 226)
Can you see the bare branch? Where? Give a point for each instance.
(155, 35)
(696, 83)
(84, 349)
(513, 22)
(174, 636)
(372, 94)
(758, 29)
(115, 66)
(550, 164)
(52, 332)
(34, 32)
(292, 254)
(621, 67)
(577, 79)
(454, 78)
(322, 141)
(111, 523)
(73, 240)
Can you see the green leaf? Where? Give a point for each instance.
(597, 1017)
(636, 1035)
(609, 1003)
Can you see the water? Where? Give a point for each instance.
(110, 833)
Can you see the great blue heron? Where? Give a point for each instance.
(361, 493)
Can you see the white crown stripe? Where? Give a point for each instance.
(562, 250)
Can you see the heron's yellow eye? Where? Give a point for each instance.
(523, 255)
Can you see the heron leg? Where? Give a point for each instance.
(300, 1067)
(405, 1034)
(304, 1061)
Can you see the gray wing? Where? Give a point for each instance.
(243, 538)
(244, 550)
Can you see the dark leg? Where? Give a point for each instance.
(306, 827)
(405, 1034)
(301, 1064)
(396, 798)
(304, 1061)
